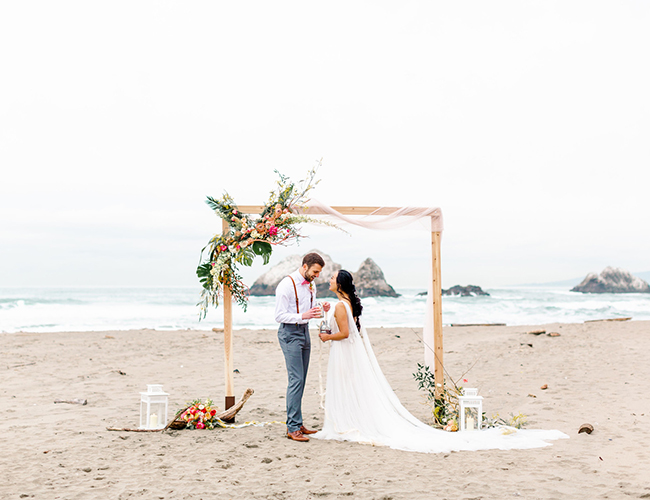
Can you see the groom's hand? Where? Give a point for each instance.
(314, 312)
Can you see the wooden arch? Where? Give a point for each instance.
(347, 210)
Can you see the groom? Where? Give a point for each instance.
(295, 305)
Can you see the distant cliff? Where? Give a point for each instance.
(612, 280)
(369, 279)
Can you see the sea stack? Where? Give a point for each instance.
(464, 291)
(267, 282)
(612, 280)
(370, 281)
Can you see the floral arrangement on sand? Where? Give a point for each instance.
(248, 237)
(200, 415)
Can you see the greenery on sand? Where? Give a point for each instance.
(445, 404)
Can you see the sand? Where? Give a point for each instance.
(596, 373)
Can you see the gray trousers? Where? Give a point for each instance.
(296, 346)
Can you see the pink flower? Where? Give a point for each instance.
(234, 212)
(223, 248)
(273, 230)
(200, 425)
(238, 247)
(465, 380)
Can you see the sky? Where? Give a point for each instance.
(526, 122)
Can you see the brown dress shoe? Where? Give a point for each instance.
(297, 436)
(304, 430)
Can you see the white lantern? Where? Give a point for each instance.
(153, 407)
(471, 410)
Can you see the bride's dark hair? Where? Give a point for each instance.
(345, 284)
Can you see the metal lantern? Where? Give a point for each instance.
(153, 407)
(471, 410)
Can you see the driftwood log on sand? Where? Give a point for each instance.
(226, 416)
(72, 401)
(478, 324)
(608, 319)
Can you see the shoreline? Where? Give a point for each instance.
(446, 326)
(593, 372)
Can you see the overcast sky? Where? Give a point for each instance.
(527, 122)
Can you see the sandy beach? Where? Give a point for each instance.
(596, 373)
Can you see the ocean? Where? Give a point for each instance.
(172, 308)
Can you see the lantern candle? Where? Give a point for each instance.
(470, 410)
(153, 407)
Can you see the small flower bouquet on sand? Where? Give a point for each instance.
(200, 415)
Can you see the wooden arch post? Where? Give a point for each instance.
(437, 311)
(228, 364)
(348, 210)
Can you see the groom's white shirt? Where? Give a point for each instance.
(285, 299)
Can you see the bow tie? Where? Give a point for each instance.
(305, 282)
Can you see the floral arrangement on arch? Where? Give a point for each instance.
(248, 237)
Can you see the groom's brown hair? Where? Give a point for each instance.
(313, 258)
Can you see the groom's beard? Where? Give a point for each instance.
(309, 277)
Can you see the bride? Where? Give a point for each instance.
(361, 406)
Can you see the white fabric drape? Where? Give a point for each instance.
(400, 218)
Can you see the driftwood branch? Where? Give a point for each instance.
(608, 319)
(225, 416)
(72, 401)
(132, 430)
(230, 413)
(478, 324)
(23, 364)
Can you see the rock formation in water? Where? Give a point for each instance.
(267, 282)
(462, 291)
(612, 280)
(369, 279)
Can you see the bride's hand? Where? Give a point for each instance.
(323, 337)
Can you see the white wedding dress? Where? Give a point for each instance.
(360, 406)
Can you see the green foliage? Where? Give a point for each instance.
(444, 407)
(263, 249)
(517, 421)
(247, 238)
(203, 273)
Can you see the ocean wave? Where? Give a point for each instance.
(169, 308)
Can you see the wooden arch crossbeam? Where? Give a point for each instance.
(345, 210)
